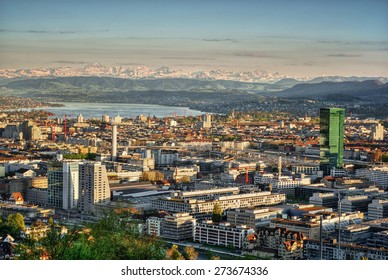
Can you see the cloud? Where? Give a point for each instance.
(256, 54)
(52, 31)
(186, 58)
(220, 40)
(343, 55)
(70, 62)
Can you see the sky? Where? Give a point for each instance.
(294, 38)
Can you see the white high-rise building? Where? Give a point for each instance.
(117, 119)
(80, 118)
(207, 120)
(105, 118)
(70, 185)
(94, 186)
(377, 132)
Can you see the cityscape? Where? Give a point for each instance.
(214, 140)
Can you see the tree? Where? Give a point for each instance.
(111, 238)
(50, 222)
(190, 253)
(185, 179)
(174, 254)
(377, 155)
(17, 221)
(217, 213)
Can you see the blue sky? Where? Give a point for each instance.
(296, 38)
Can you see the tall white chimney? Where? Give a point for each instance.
(114, 142)
(280, 167)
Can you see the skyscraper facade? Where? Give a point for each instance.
(63, 184)
(94, 186)
(331, 138)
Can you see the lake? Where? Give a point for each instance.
(125, 110)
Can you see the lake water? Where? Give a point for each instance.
(125, 110)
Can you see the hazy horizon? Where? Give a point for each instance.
(293, 38)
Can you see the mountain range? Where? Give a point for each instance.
(143, 72)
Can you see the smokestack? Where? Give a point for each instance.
(114, 142)
(280, 167)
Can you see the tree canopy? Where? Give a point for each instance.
(217, 213)
(111, 238)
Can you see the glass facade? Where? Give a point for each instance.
(331, 138)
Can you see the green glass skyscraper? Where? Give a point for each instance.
(331, 138)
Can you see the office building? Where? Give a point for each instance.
(252, 217)
(63, 184)
(377, 132)
(331, 251)
(204, 208)
(94, 186)
(377, 175)
(378, 209)
(221, 234)
(355, 203)
(331, 138)
(179, 226)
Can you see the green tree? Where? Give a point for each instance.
(217, 213)
(190, 253)
(16, 221)
(50, 222)
(111, 238)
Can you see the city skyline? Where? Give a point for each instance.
(296, 39)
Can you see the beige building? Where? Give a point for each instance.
(179, 226)
(94, 186)
(204, 208)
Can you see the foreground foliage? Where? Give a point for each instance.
(112, 238)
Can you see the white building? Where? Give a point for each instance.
(378, 175)
(378, 209)
(377, 132)
(222, 234)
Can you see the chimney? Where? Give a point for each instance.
(114, 142)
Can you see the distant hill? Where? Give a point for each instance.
(371, 90)
(114, 84)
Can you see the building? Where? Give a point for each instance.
(355, 203)
(105, 118)
(40, 182)
(331, 251)
(252, 217)
(114, 142)
(221, 234)
(379, 239)
(286, 243)
(377, 132)
(377, 175)
(2, 170)
(204, 208)
(331, 138)
(206, 194)
(154, 226)
(324, 200)
(164, 157)
(55, 184)
(63, 185)
(179, 226)
(378, 209)
(70, 185)
(80, 118)
(308, 170)
(94, 186)
(206, 121)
